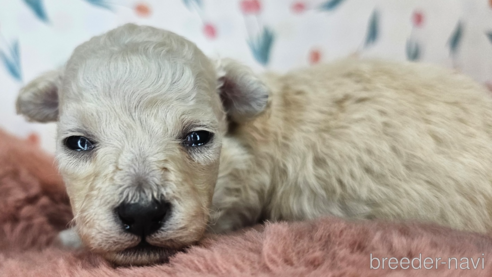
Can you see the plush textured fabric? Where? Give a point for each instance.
(34, 207)
(33, 203)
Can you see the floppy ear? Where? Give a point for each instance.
(38, 100)
(243, 94)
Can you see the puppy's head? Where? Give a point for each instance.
(141, 115)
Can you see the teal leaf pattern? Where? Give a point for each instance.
(489, 36)
(261, 46)
(189, 3)
(455, 39)
(11, 61)
(330, 5)
(100, 3)
(373, 29)
(413, 50)
(38, 8)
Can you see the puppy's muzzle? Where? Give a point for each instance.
(143, 218)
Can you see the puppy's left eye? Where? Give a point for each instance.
(197, 138)
(78, 143)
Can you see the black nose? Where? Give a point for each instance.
(143, 219)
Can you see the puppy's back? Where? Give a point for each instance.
(372, 139)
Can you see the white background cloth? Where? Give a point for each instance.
(303, 33)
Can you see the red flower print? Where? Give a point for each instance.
(250, 6)
(488, 85)
(33, 138)
(142, 10)
(418, 18)
(209, 31)
(314, 56)
(299, 7)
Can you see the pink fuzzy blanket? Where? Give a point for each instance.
(34, 207)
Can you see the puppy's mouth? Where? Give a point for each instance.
(143, 254)
(144, 248)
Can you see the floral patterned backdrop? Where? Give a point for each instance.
(39, 35)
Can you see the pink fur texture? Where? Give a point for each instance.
(33, 204)
(33, 208)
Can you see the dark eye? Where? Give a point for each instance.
(197, 138)
(78, 143)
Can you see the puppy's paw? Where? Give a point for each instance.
(220, 228)
(224, 222)
(69, 239)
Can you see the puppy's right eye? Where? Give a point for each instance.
(197, 138)
(78, 143)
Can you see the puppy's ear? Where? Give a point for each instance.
(38, 100)
(243, 94)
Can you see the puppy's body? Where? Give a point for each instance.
(355, 139)
(363, 140)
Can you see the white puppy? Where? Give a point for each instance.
(157, 143)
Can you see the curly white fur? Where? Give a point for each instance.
(355, 139)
